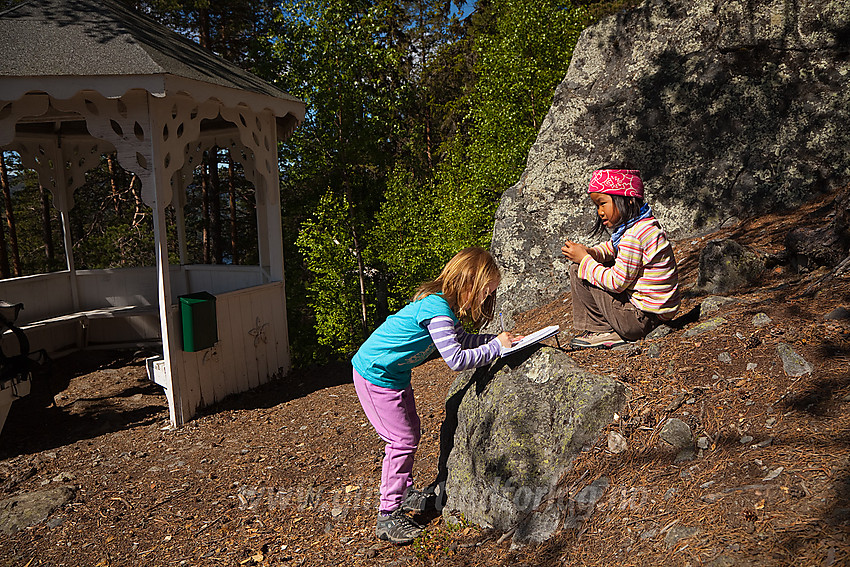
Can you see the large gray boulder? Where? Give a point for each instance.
(729, 108)
(725, 265)
(516, 428)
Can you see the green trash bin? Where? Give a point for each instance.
(197, 315)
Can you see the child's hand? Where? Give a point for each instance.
(508, 340)
(574, 251)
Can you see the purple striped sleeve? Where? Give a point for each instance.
(451, 341)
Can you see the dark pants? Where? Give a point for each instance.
(600, 311)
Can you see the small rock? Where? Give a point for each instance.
(761, 320)
(714, 303)
(671, 492)
(588, 496)
(751, 366)
(678, 533)
(746, 439)
(705, 327)
(837, 314)
(774, 473)
(675, 403)
(653, 351)
(703, 442)
(649, 534)
(677, 433)
(617, 443)
(659, 331)
(765, 443)
(770, 422)
(793, 364)
(685, 455)
(725, 358)
(55, 522)
(722, 561)
(24, 510)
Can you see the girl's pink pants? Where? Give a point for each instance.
(393, 415)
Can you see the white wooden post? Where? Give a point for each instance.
(271, 174)
(160, 194)
(64, 200)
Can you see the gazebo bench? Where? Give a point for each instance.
(100, 313)
(84, 317)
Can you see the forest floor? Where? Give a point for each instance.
(287, 474)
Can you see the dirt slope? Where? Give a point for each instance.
(287, 475)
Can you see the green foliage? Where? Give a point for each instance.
(522, 52)
(350, 62)
(415, 125)
(329, 254)
(403, 236)
(437, 544)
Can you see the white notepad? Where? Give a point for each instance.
(531, 339)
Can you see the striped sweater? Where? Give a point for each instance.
(643, 266)
(462, 350)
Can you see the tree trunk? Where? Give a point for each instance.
(204, 28)
(362, 277)
(231, 177)
(215, 208)
(10, 216)
(138, 204)
(113, 183)
(47, 228)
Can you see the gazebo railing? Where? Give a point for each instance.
(66, 311)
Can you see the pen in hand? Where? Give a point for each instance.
(502, 321)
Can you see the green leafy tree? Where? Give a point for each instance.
(522, 50)
(491, 86)
(330, 253)
(352, 63)
(417, 123)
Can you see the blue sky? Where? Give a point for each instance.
(466, 8)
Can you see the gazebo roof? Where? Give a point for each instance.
(44, 41)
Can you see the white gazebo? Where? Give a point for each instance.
(81, 78)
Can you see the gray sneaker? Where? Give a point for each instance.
(419, 500)
(397, 528)
(597, 340)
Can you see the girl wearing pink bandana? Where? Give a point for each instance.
(625, 287)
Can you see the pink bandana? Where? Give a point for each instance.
(624, 182)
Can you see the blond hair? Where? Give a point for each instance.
(461, 282)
